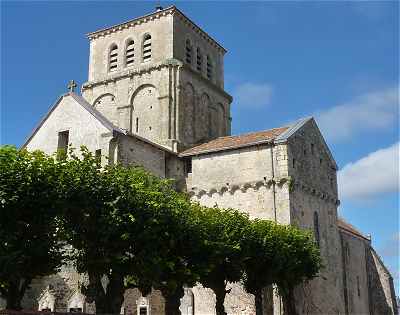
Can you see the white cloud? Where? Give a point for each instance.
(371, 111)
(253, 94)
(372, 175)
(391, 246)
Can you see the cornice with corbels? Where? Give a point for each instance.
(154, 16)
(131, 73)
(129, 24)
(256, 185)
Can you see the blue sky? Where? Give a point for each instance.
(337, 61)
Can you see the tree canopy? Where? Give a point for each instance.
(135, 229)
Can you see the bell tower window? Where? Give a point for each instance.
(147, 48)
(199, 60)
(113, 58)
(130, 53)
(188, 52)
(209, 68)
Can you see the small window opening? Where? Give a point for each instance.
(130, 53)
(294, 163)
(305, 152)
(62, 146)
(358, 286)
(149, 127)
(188, 166)
(312, 148)
(147, 48)
(199, 60)
(316, 229)
(113, 58)
(188, 52)
(97, 154)
(75, 310)
(209, 68)
(143, 310)
(320, 161)
(137, 124)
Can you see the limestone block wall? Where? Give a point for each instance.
(313, 206)
(159, 27)
(183, 31)
(132, 150)
(381, 288)
(204, 109)
(140, 101)
(83, 129)
(243, 179)
(355, 268)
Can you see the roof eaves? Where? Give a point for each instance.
(293, 128)
(41, 122)
(233, 147)
(99, 116)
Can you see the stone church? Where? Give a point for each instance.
(155, 97)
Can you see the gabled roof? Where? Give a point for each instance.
(234, 142)
(345, 226)
(99, 116)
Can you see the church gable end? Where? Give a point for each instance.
(68, 117)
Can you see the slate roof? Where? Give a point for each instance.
(342, 224)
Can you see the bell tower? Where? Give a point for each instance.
(160, 77)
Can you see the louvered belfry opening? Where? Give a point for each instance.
(199, 60)
(188, 52)
(209, 68)
(147, 47)
(130, 53)
(113, 57)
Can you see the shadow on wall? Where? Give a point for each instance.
(380, 286)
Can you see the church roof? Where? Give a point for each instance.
(345, 226)
(233, 142)
(99, 116)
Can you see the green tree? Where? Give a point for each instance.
(29, 201)
(220, 248)
(298, 259)
(128, 225)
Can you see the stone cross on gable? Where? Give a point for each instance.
(71, 86)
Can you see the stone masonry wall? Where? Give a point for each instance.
(381, 289)
(356, 278)
(83, 129)
(159, 28)
(313, 206)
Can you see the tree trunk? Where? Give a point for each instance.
(115, 293)
(16, 292)
(258, 301)
(289, 305)
(220, 293)
(173, 301)
(95, 293)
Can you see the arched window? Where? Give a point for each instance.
(113, 58)
(209, 67)
(130, 53)
(188, 52)
(199, 60)
(147, 47)
(316, 229)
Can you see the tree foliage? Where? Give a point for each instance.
(29, 199)
(136, 230)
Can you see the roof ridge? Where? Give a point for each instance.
(350, 228)
(249, 133)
